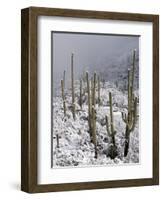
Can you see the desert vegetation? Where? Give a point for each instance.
(95, 121)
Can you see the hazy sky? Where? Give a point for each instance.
(91, 52)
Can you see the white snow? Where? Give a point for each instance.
(75, 147)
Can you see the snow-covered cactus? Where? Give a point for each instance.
(107, 125)
(89, 103)
(92, 87)
(91, 109)
(94, 130)
(72, 85)
(111, 116)
(98, 83)
(94, 90)
(81, 94)
(63, 97)
(57, 138)
(111, 132)
(94, 114)
(131, 117)
(64, 78)
(133, 72)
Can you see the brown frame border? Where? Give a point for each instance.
(29, 98)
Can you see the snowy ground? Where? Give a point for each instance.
(75, 147)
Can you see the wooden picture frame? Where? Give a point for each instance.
(29, 112)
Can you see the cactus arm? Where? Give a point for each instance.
(107, 125)
(81, 94)
(124, 117)
(63, 97)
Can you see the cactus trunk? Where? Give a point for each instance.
(72, 85)
(94, 130)
(111, 113)
(94, 91)
(133, 73)
(107, 126)
(111, 119)
(111, 133)
(89, 104)
(127, 138)
(64, 78)
(91, 109)
(63, 97)
(81, 94)
(94, 114)
(99, 99)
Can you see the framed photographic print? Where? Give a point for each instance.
(90, 99)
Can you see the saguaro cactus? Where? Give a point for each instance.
(111, 132)
(89, 104)
(64, 78)
(91, 110)
(94, 90)
(131, 117)
(72, 85)
(94, 114)
(111, 118)
(94, 130)
(63, 97)
(133, 73)
(107, 125)
(99, 98)
(81, 94)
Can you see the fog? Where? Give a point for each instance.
(91, 52)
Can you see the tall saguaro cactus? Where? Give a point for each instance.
(99, 98)
(91, 110)
(72, 85)
(94, 114)
(131, 117)
(133, 72)
(64, 78)
(81, 94)
(94, 130)
(89, 104)
(111, 132)
(63, 97)
(94, 90)
(111, 118)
